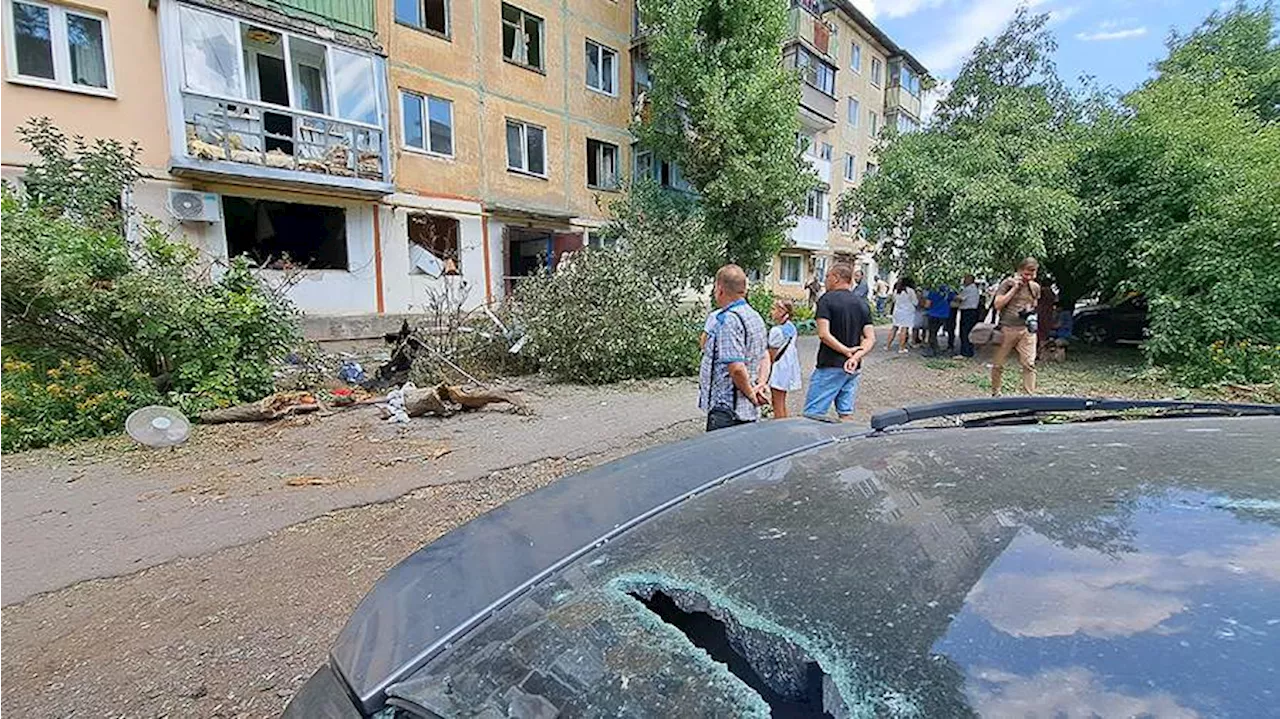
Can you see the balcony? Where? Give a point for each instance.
(808, 234)
(268, 142)
(249, 101)
(898, 98)
(353, 16)
(820, 166)
(818, 110)
(805, 23)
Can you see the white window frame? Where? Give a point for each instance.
(285, 36)
(851, 167)
(877, 72)
(818, 199)
(873, 123)
(522, 40)
(424, 107)
(61, 48)
(855, 109)
(782, 270)
(600, 51)
(603, 146)
(855, 57)
(524, 149)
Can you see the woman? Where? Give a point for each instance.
(904, 314)
(785, 376)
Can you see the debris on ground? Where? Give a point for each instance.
(274, 406)
(444, 400)
(309, 481)
(351, 372)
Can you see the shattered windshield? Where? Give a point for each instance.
(1128, 574)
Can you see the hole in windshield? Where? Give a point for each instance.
(780, 672)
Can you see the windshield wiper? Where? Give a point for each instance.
(1015, 408)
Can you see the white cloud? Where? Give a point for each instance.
(895, 8)
(1066, 692)
(929, 102)
(1105, 35)
(981, 19)
(1062, 14)
(868, 7)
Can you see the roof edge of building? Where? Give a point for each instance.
(860, 18)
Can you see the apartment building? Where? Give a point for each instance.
(856, 85)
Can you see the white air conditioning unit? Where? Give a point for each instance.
(193, 206)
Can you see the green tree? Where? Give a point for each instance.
(990, 179)
(723, 108)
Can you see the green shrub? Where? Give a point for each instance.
(760, 297)
(74, 289)
(599, 318)
(70, 400)
(800, 313)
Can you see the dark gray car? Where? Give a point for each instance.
(1018, 565)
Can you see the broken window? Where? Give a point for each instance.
(526, 148)
(284, 235)
(602, 165)
(430, 15)
(602, 68)
(521, 37)
(433, 245)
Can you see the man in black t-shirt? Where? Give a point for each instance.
(846, 335)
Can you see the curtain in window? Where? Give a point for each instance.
(209, 61)
(88, 54)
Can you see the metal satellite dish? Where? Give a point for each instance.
(157, 426)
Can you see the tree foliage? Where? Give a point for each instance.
(76, 290)
(1172, 191)
(723, 108)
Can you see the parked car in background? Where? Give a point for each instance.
(1123, 321)
(1003, 561)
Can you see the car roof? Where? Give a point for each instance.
(861, 554)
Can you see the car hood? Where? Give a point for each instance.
(1124, 568)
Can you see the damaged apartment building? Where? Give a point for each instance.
(372, 152)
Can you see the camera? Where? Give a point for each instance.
(1029, 317)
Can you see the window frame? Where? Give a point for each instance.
(60, 49)
(524, 149)
(855, 56)
(601, 49)
(422, 14)
(783, 260)
(850, 167)
(873, 123)
(853, 112)
(525, 15)
(424, 110)
(381, 112)
(818, 197)
(877, 72)
(602, 146)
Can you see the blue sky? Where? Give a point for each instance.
(1115, 41)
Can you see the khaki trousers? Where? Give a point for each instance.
(1025, 343)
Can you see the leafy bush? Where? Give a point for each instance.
(599, 318)
(71, 400)
(760, 297)
(802, 312)
(74, 288)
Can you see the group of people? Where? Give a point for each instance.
(746, 365)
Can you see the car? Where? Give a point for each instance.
(1124, 321)
(997, 557)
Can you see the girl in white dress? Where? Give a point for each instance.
(904, 314)
(785, 376)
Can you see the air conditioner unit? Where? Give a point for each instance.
(193, 206)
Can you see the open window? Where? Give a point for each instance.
(430, 15)
(602, 165)
(433, 245)
(522, 39)
(285, 235)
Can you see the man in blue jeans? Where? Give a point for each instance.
(846, 335)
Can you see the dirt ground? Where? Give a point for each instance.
(198, 583)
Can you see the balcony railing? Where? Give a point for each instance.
(897, 98)
(806, 25)
(248, 133)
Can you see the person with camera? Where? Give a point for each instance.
(1015, 305)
